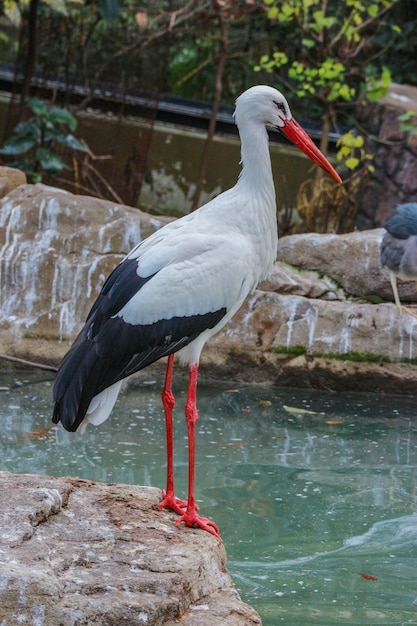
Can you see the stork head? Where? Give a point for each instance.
(265, 105)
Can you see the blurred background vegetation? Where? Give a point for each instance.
(327, 55)
(173, 46)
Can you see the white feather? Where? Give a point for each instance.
(100, 407)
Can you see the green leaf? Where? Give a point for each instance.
(35, 178)
(50, 161)
(30, 128)
(57, 115)
(351, 163)
(37, 106)
(376, 89)
(407, 116)
(343, 152)
(17, 145)
(308, 43)
(70, 142)
(22, 164)
(280, 58)
(288, 12)
(345, 93)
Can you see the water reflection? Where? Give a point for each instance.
(315, 494)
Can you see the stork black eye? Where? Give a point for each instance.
(280, 106)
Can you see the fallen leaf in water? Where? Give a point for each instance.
(296, 409)
(265, 403)
(40, 433)
(334, 422)
(368, 577)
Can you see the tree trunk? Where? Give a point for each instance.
(222, 10)
(32, 22)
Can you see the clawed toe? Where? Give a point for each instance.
(170, 501)
(190, 518)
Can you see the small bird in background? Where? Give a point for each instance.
(179, 287)
(398, 250)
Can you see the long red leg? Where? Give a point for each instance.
(170, 501)
(190, 516)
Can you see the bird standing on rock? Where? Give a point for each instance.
(398, 250)
(179, 287)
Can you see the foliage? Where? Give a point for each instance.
(14, 9)
(333, 61)
(352, 153)
(359, 357)
(165, 45)
(334, 52)
(172, 45)
(39, 137)
(408, 122)
(376, 86)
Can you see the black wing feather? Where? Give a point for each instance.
(108, 349)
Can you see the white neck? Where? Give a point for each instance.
(256, 160)
(257, 184)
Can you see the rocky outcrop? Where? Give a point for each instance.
(76, 552)
(320, 319)
(56, 249)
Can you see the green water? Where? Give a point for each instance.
(317, 507)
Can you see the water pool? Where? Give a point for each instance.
(315, 493)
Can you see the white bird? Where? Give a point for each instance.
(179, 287)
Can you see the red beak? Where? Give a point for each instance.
(299, 137)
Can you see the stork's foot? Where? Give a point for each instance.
(191, 518)
(170, 501)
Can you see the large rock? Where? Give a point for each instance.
(351, 261)
(331, 345)
(56, 250)
(10, 178)
(76, 552)
(321, 318)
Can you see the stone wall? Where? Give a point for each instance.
(395, 157)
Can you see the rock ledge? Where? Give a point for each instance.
(75, 552)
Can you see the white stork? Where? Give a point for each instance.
(179, 287)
